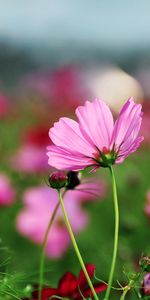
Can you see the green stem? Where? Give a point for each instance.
(76, 247)
(43, 250)
(116, 209)
(126, 289)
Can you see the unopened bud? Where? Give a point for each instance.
(58, 180)
(73, 180)
(145, 263)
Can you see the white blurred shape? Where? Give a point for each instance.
(114, 86)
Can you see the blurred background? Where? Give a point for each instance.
(54, 55)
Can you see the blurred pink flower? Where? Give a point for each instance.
(95, 141)
(40, 202)
(30, 159)
(90, 190)
(67, 87)
(31, 156)
(61, 87)
(147, 205)
(7, 192)
(4, 106)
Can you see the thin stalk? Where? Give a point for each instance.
(126, 289)
(76, 247)
(116, 210)
(42, 259)
(124, 293)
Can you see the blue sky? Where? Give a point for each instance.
(123, 24)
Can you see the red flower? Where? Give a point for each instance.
(71, 287)
(37, 136)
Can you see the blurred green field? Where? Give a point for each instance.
(96, 241)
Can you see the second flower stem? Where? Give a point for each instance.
(42, 259)
(116, 209)
(76, 247)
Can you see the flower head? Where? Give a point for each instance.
(71, 287)
(58, 180)
(95, 140)
(39, 204)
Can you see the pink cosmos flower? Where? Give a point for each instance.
(30, 159)
(7, 192)
(63, 87)
(95, 140)
(39, 203)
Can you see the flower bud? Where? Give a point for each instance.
(73, 180)
(145, 264)
(58, 180)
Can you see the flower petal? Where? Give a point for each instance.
(91, 190)
(100, 287)
(67, 285)
(46, 293)
(82, 281)
(74, 210)
(96, 123)
(132, 148)
(127, 127)
(65, 160)
(67, 135)
(58, 241)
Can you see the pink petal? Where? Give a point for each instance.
(91, 190)
(27, 154)
(58, 242)
(33, 219)
(127, 127)
(67, 135)
(77, 216)
(40, 197)
(96, 123)
(28, 225)
(132, 148)
(64, 160)
(7, 192)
